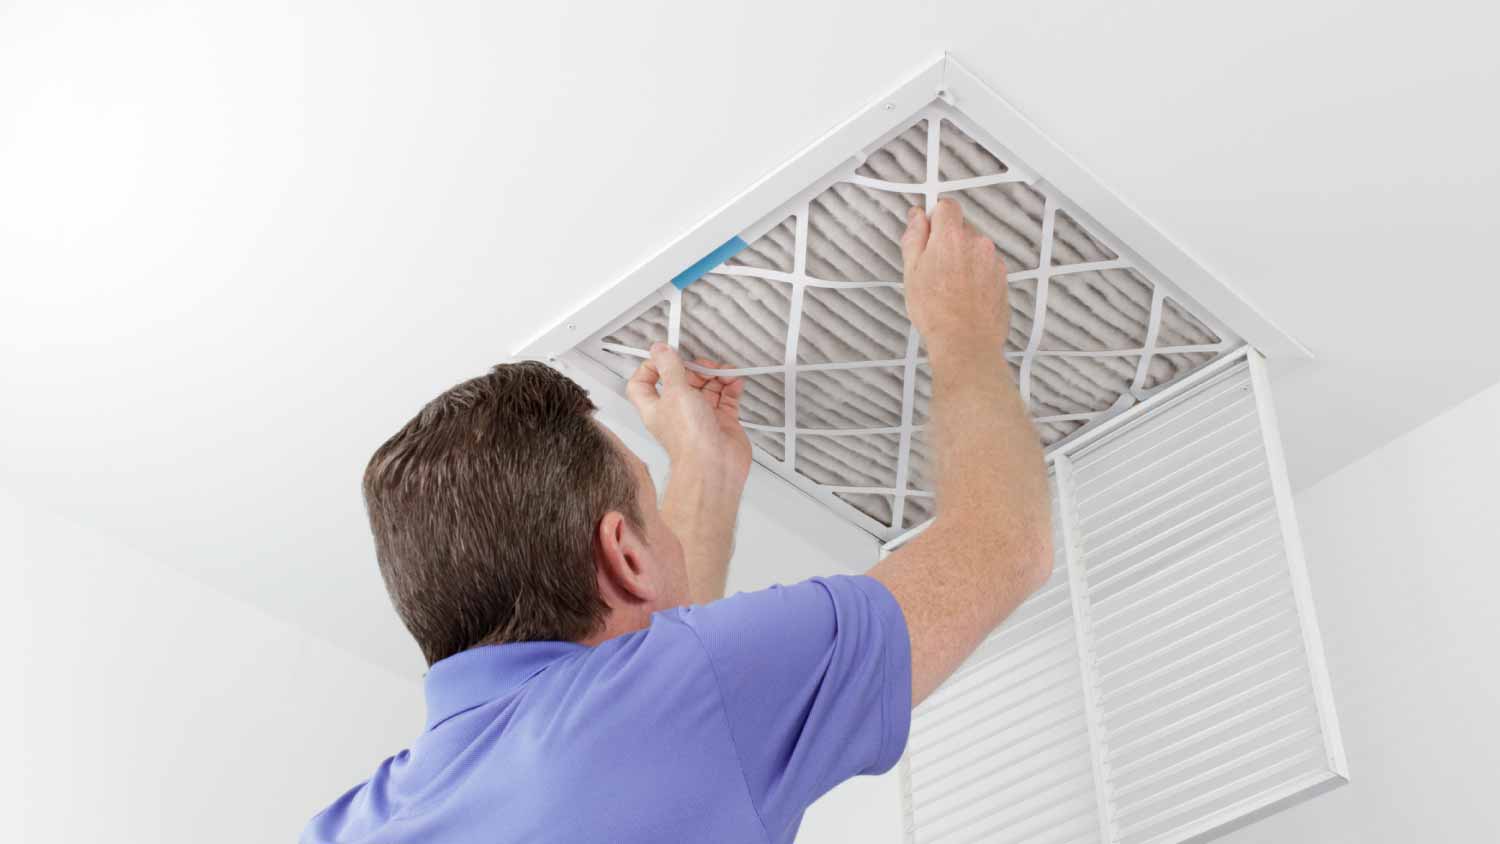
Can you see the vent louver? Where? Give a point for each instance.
(1168, 679)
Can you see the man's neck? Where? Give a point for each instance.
(618, 623)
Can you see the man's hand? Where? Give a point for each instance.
(696, 418)
(955, 284)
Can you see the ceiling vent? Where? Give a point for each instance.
(800, 293)
(1168, 682)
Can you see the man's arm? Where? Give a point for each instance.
(991, 544)
(700, 504)
(696, 418)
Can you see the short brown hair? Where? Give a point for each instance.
(484, 509)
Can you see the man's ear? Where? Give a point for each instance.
(621, 558)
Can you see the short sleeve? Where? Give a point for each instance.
(816, 681)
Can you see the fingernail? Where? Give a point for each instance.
(911, 213)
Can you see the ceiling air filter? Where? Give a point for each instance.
(811, 313)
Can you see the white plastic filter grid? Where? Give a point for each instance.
(812, 315)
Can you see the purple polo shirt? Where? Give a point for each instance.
(718, 723)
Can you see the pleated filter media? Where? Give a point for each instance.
(811, 313)
(1167, 683)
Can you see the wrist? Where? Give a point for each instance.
(713, 469)
(967, 352)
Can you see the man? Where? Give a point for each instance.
(588, 680)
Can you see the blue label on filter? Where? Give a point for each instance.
(708, 262)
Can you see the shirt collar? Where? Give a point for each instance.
(475, 676)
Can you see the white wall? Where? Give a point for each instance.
(15, 633)
(158, 709)
(1404, 552)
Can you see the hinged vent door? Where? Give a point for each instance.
(1168, 680)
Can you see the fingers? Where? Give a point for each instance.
(696, 379)
(641, 388)
(722, 390)
(706, 383)
(723, 394)
(914, 240)
(733, 389)
(669, 365)
(978, 242)
(947, 217)
(947, 220)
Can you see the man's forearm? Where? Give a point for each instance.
(985, 552)
(700, 505)
(990, 474)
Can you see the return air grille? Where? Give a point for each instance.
(812, 314)
(1167, 680)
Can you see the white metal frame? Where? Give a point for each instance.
(1291, 538)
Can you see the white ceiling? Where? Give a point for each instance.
(239, 247)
